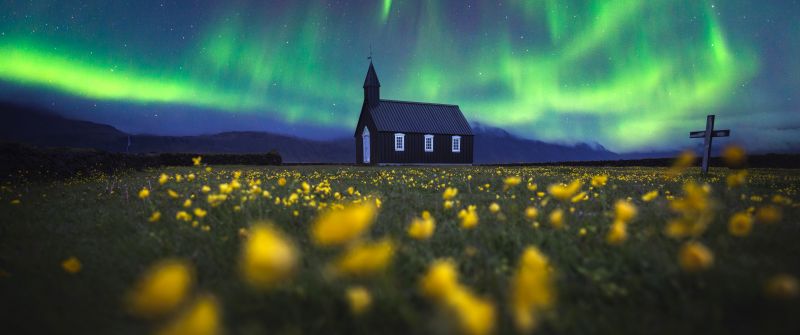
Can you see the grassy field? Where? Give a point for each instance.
(631, 285)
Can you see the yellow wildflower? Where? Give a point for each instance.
(598, 181)
(172, 194)
(267, 257)
(618, 233)
(15, 202)
(684, 160)
(469, 217)
(740, 224)
(196, 160)
(163, 178)
(154, 217)
(695, 257)
(365, 258)
(562, 192)
(579, 197)
(494, 207)
(649, 196)
(183, 216)
(736, 179)
(782, 286)
(582, 232)
(531, 213)
(187, 203)
(440, 284)
(449, 193)
(695, 209)
(532, 289)
(359, 299)
(225, 188)
(624, 211)
(205, 189)
(281, 181)
(190, 177)
(71, 265)
(202, 318)
(200, 213)
(339, 226)
(510, 182)
(734, 156)
(161, 289)
(557, 218)
(422, 228)
(440, 280)
(768, 214)
(144, 193)
(447, 204)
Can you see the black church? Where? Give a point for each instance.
(405, 132)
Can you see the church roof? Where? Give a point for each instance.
(419, 117)
(372, 77)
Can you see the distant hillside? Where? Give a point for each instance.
(42, 128)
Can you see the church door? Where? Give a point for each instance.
(365, 140)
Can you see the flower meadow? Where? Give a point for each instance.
(402, 250)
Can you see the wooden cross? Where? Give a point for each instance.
(707, 135)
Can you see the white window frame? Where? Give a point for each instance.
(425, 143)
(455, 144)
(399, 142)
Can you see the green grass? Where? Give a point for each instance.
(634, 288)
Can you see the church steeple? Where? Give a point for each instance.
(372, 87)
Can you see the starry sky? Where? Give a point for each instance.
(632, 75)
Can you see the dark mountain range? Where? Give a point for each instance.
(42, 128)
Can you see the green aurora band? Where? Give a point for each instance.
(623, 74)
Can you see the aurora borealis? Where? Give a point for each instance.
(629, 74)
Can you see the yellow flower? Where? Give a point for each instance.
(281, 181)
(202, 318)
(422, 228)
(684, 160)
(359, 299)
(267, 257)
(737, 178)
(469, 217)
(510, 182)
(494, 207)
(178, 178)
(531, 213)
(649, 196)
(782, 286)
(562, 192)
(740, 224)
(734, 156)
(205, 189)
(161, 289)
(532, 289)
(191, 177)
(624, 211)
(695, 257)
(183, 216)
(200, 213)
(365, 258)
(768, 214)
(598, 181)
(449, 193)
(144, 193)
(187, 203)
(339, 226)
(15, 202)
(557, 218)
(447, 204)
(440, 280)
(579, 197)
(196, 160)
(154, 217)
(618, 233)
(172, 194)
(695, 209)
(582, 232)
(532, 187)
(163, 178)
(71, 265)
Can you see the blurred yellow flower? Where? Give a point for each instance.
(16, 202)
(650, 196)
(201, 318)
(71, 265)
(684, 160)
(440, 280)
(579, 197)
(624, 211)
(734, 156)
(154, 217)
(196, 160)
(557, 218)
(187, 203)
(469, 217)
(582, 232)
(618, 233)
(365, 258)
(183, 216)
(695, 210)
(472, 314)
(200, 213)
(267, 257)
(598, 181)
(782, 287)
(510, 182)
(172, 194)
(191, 177)
(532, 289)
(225, 188)
(737, 178)
(422, 228)
(768, 214)
(740, 224)
(205, 189)
(339, 226)
(449, 193)
(359, 299)
(144, 193)
(161, 289)
(163, 178)
(494, 207)
(447, 204)
(281, 181)
(562, 192)
(695, 257)
(531, 213)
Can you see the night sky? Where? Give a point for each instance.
(632, 75)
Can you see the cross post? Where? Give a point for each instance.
(707, 136)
